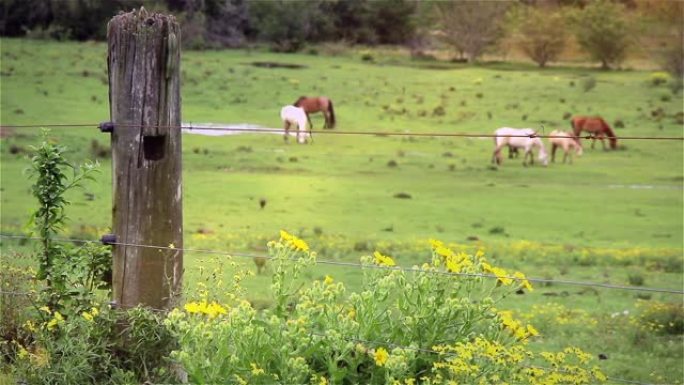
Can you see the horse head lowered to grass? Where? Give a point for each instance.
(318, 104)
(524, 138)
(291, 115)
(567, 142)
(597, 127)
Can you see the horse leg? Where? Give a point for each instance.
(496, 156)
(287, 131)
(308, 119)
(554, 147)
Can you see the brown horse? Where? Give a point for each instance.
(597, 127)
(318, 104)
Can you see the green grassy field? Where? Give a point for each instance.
(609, 217)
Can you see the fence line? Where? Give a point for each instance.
(361, 266)
(338, 132)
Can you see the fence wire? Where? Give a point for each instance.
(377, 133)
(362, 266)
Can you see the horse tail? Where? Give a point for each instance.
(332, 114)
(611, 134)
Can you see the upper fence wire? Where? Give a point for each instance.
(377, 133)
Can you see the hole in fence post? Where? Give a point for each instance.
(153, 147)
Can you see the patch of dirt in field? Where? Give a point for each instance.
(272, 64)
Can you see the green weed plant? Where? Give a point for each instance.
(430, 324)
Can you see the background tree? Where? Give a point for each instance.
(392, 20)
(287, 25)
(470, 27)
(352, 21)
(663, 34)
(543, 34)
(602, 29)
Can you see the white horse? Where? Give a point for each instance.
(295, 115)
(567, 142)
(519, 138)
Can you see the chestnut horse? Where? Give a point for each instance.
(318, 104)
(597, 127)
(567, 142)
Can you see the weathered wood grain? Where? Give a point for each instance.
(144, 95)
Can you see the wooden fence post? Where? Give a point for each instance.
(144, 98)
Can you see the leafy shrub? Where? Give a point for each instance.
(588, 83)
(659, 78)
(661, 317)
(425, 323)
(93, 347)
(14, 300)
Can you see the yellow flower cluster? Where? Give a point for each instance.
(516, 328)
(89, 316)
(455, 263)
(256, 371)
(212, 309)
(558, 314)
(500, 273)
(56, 320)
(468, 361)
(380, 355)
(383, 260)
(293, 242)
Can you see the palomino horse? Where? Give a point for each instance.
(567, 142)
(597, 127)
(524, 138)
(318, 104)
(294, 115)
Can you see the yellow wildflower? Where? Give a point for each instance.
(380, 356)
(293, 242)
(256, 370)
(23, 353)
(383, 260)
(45, 309)
(172, 246)
(55, 321)
(435, 243)
(30, 326)
(323, 381)
(523, 281)
(532, 331)
(500, 273)
(328, 280)
(240, 380)
(212, 309)
(87, 316)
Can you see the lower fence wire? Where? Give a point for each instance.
(362, 266)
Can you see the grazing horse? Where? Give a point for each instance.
(519, 138)
(318, 104)
(567, 142)
(294, 115)
(597, 127)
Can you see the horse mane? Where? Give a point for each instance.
(299, 100)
